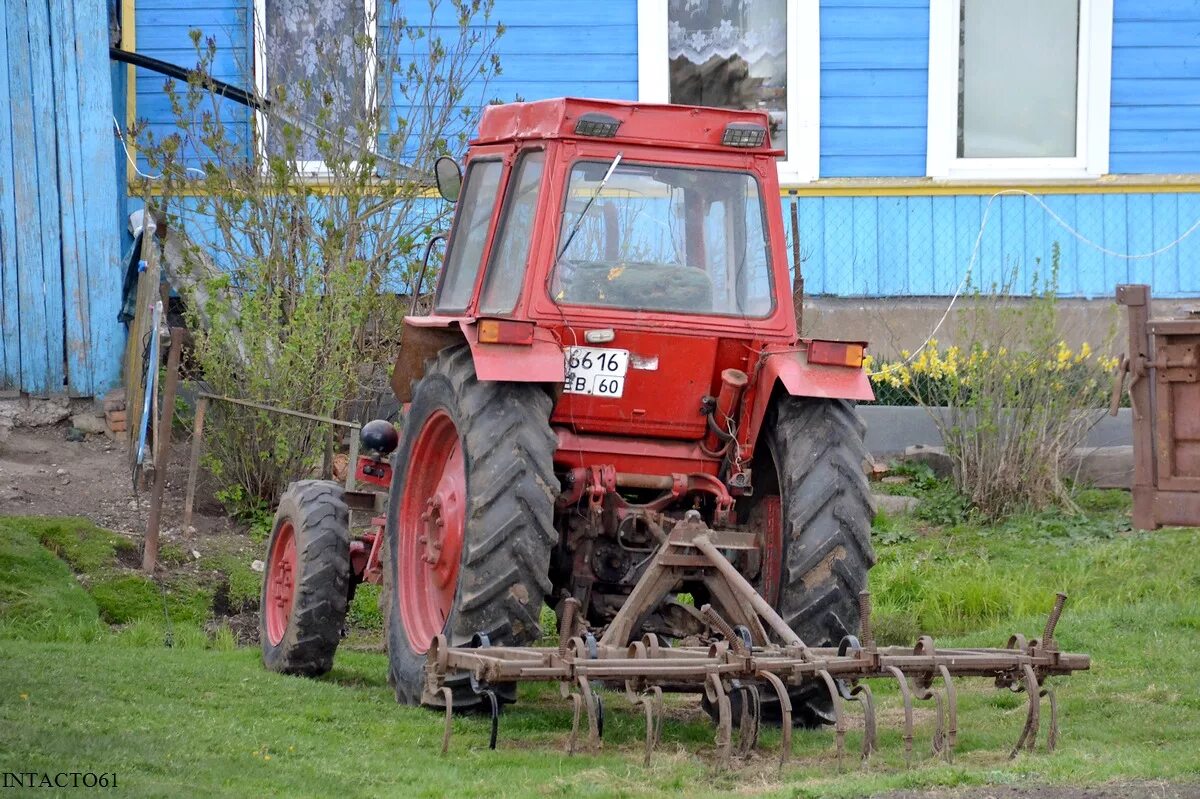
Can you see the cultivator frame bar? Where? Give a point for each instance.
(744, 659)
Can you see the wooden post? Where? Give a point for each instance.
(1137, 299)
(163, 455)
(194, 463)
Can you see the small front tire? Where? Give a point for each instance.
(306, 581)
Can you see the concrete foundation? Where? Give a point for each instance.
(903, 323)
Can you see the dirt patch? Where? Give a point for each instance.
(1112, 790)
(822, 571)
(44, 474)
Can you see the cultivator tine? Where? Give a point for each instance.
(591, 705)
(650, 700)
(576, 707)
(951, 712)
(1052, 733)
(906, 694)
(748, 725)
(785, 716)
(926, 692)
(839, 726)
(717, 696)
(448, 696)
(1029, 734)
(741, 659)
(862, 695)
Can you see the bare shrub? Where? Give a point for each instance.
(303, 243)
(1012, 401)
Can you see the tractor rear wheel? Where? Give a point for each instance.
(306, 580)
(470, 519)
(826, 513)
(814, 506)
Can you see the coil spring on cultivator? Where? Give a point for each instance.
(745, 661)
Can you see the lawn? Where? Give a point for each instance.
(203, 718)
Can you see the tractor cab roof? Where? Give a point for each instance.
(689, 127)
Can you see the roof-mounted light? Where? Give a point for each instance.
(596, 124)
(744, 134)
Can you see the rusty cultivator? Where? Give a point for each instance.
(750, 650)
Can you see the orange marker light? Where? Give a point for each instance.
(837, 353)
(505, 331)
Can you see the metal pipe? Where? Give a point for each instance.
(743, 587)
(733, 383)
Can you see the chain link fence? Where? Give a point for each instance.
(929, 245)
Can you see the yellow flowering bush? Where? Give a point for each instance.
(938, 376)
(1011, 400)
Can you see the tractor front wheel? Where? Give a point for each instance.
(470, 519)
(306, 580)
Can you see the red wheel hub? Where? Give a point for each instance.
(281, 583)
(431, 525)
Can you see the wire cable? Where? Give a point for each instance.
(975, 256)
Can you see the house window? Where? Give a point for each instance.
(1019, 88)
(759, 55)
(311, 52)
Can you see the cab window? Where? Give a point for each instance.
(510, 254)
(477, 203)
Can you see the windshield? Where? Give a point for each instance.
(664, 239)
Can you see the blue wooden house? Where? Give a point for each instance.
(924, 139)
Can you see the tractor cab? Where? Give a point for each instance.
(629, 253)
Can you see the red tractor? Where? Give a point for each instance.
(613, 344)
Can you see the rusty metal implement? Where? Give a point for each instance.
(751, 650)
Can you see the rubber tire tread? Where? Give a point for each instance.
(508, 450)
(321, 525)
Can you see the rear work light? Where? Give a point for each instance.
(837, 353)
(744, 134)
(596, 124)
(505, 331)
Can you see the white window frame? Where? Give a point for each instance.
(1092, 106)
(803, 161)
(315, 168)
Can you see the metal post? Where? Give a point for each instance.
(194, 463)
(163, 455)
(1137, 299)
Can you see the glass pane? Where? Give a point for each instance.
(310, 50)
(1018, 67)
(730, 54)
(664, 239)
(470, 235)
(511, 250)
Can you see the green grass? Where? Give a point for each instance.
(203, 718)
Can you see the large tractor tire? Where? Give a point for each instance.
(813, 470)
(470, 519)
(306, 580)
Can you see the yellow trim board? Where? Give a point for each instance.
(129, 44)
(909, 187)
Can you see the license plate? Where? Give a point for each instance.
(597, 371)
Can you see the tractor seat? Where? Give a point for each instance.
(639, 285)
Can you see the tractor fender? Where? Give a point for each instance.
(424, 336)
(789, 372)
(538, 362)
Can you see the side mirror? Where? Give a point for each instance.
(449, 178)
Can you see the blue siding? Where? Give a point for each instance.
(58, 201)
(1155, 87)
(163, 32)
(921, 245)
(874, 87)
